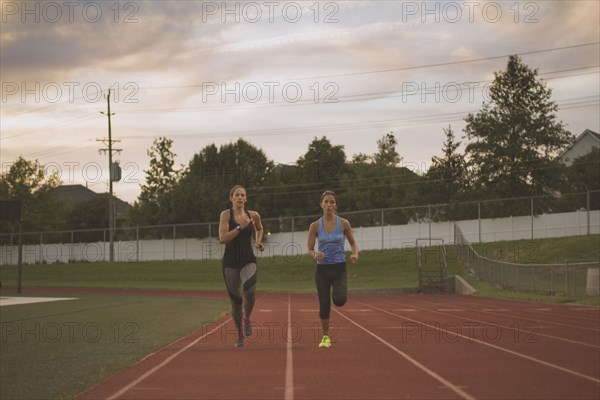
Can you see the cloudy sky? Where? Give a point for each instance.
(276, 73)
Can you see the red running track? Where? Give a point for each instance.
(384, 347)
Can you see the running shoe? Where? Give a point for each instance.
(240, 341)
(247, 327)
(325, 342)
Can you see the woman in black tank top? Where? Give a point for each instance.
(236, 226)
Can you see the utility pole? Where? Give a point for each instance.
(109, 143)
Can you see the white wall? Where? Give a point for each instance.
(292, 245)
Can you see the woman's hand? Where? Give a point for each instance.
(354, 258)
(245, 220)
(260, 246)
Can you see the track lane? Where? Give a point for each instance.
(521, 327)
(359, 365)
(494, 371)
(376, 354)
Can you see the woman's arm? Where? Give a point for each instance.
(225, 235)
(258, 229)
(312, 239)
(350, 236)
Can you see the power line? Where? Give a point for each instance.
(450, 62)
(348, 98)
(422, 66)
(351, 73)
(573, 103)
(417, 181)
(406, 121)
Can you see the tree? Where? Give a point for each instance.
(27, 181)
(323, 162)
(584, 175)
(446, 180)
(515, 137)
(322, 167)
(161, 176)
(152, 206)
(203, 190)
(360, 158)
(387, 155)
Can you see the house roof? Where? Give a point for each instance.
(77, 193)
(581, 135)
(589, 132)
(81, 194)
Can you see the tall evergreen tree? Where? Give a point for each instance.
(387, 156)
(153, 206)
(446, 180)
(515, 137)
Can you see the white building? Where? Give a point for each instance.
(582, 145)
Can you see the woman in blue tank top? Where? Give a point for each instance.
(330, 231)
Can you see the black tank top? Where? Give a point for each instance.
(239, 252)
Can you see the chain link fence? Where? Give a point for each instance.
(570, 279)
(482, 221)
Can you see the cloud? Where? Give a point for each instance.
(158, 56)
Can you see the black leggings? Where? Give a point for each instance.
(326, 278)
(241, 287)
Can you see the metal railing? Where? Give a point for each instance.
(571, 279)
(574, 214)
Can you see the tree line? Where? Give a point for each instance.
(511, 150)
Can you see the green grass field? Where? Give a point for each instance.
(56, 350)
(395, 268)
(376, 269)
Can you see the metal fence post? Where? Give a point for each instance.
(174, 237)
(382, 245)
(137, 240)
(531, 217)
(588, 212)
(72, 252)
(41, 248)
(479, 218)
(566, 280)
(429, 218)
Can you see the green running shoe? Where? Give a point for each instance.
(325, 342)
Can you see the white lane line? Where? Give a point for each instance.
(529, 331)
(135, 382)
(456, 389)
(289, 364)
(12, 301)
(529, 319)
(472, 339)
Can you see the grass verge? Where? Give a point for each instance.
(56, 350)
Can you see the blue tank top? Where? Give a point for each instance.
(332, 244)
